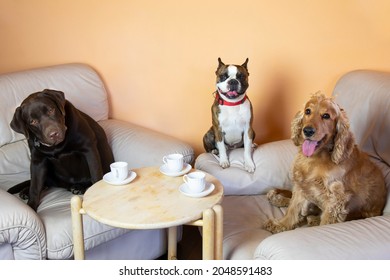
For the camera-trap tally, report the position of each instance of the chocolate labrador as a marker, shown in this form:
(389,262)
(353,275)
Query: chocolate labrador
(68,148)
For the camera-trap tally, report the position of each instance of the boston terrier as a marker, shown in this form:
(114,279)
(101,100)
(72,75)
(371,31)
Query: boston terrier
(231,115)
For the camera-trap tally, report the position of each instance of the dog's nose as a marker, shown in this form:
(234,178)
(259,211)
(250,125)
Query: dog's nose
(309,131)
(233,82)
(54,134)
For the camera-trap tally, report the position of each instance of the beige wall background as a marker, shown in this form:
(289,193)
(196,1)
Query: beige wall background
(158,58)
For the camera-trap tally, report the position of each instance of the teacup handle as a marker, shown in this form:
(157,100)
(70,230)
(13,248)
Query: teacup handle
(185,179)
(165,159)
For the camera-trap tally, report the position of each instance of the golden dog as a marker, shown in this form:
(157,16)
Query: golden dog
(332,178)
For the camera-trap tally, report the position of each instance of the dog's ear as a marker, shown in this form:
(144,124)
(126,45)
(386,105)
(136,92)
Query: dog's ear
(296,128)
(245,64)
(58,97)
(220,63)
(18,124)
(344,140)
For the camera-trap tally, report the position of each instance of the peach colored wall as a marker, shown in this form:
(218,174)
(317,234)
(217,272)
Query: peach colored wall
(158,57)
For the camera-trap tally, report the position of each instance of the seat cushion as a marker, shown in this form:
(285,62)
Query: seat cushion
(272,160)
(244,217)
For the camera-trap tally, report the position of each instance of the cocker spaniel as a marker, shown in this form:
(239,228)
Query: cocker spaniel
(333,181)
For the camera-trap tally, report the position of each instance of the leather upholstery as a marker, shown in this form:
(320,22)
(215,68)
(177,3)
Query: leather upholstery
(47,234)
(365,96)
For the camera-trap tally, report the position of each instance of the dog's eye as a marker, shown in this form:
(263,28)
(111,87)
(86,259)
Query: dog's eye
(33,122)
(224,77)
(326,116)
(307,112)
(50,111)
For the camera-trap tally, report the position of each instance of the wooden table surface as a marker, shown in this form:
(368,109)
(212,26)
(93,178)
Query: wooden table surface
(152,200)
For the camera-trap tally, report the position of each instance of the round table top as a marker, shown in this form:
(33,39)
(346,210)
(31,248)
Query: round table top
(152,200)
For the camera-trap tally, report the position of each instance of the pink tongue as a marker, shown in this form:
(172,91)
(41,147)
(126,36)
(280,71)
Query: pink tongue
(232,93)
(309,147)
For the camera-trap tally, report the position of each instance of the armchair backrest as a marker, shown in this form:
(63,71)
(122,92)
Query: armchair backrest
(80,83)
(365,96)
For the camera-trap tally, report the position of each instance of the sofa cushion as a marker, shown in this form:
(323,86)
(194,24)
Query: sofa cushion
(244,217)
(365,239)
(55,214)
(272,160)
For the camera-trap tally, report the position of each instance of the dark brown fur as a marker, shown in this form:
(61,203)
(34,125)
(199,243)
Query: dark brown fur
(68,148)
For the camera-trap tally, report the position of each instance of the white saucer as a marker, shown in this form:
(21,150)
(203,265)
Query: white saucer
(209,189)
(164,170)
(108,178)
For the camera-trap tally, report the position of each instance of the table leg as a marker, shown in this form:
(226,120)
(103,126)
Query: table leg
(77,227)
(172,243)
(218,248)
(208,234)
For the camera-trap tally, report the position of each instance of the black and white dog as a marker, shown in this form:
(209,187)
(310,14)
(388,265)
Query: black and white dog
(232,115)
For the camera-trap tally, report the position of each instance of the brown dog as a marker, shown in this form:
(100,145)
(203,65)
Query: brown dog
(331,176)
(68,148)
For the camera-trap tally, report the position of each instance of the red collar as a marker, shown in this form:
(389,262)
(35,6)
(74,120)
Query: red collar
(221,101)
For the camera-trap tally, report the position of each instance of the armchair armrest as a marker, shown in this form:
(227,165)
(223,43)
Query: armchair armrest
(21,228)
(140,146)
(356,240)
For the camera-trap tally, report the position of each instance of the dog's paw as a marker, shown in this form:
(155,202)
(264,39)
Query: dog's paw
(313,220)
(77,190)
(249,166)
(224,163)
(24,196)
(25,193)
(273,226)
(277,198)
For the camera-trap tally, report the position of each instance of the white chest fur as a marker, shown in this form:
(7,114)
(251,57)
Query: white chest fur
(234,121)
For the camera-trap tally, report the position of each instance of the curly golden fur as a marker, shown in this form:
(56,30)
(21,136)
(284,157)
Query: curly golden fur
(332,178)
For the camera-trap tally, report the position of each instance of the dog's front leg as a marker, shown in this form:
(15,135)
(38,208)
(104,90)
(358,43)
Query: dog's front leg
(223,158)
(248,142)
(293,216)
(335,210)
(94,164)
(220,144)
(38,171)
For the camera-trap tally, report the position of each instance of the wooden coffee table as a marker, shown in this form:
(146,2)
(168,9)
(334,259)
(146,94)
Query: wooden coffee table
(152,201)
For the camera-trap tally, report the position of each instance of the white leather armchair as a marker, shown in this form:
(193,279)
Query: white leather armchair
(365,96)
(47,233)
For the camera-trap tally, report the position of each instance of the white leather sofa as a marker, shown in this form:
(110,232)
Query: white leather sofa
(365,95)
(47,233)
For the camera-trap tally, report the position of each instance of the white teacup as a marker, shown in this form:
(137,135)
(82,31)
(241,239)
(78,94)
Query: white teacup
(119,170)
(174,162)
(196,181)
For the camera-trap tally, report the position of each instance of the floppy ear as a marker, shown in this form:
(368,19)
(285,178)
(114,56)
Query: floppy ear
(58,97)
(344,140)
(245,64)
(296,128)
(18,124)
